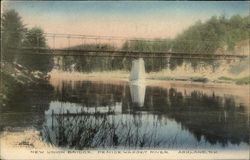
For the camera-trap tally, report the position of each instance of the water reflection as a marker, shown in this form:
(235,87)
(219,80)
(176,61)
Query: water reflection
(97,115)
(137,92)
(87,114)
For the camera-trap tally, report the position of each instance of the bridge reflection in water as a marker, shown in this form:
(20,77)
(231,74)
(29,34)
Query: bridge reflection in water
(99,115)
(138,94)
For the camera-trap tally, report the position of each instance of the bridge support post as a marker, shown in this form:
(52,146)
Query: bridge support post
(138,71)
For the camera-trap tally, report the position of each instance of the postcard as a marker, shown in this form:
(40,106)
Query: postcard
(138,80)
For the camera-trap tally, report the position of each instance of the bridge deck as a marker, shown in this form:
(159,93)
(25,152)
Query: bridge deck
(124,53)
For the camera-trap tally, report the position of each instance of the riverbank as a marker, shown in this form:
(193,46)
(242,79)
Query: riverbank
(164,75)
(14,75)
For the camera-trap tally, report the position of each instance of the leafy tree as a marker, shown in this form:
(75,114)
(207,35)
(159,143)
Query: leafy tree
(12,32)
(35,38)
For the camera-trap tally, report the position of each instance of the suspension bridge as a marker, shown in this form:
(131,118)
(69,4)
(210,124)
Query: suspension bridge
(110,46)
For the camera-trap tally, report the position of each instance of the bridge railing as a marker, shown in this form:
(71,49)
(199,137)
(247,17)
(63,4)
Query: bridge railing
(110,43)
(125,45)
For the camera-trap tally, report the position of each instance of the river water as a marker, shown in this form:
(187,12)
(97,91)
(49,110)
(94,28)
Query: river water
(106,114)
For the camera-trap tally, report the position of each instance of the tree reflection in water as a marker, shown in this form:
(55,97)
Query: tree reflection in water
(167,119)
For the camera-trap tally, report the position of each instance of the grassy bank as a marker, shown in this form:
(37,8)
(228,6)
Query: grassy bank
(240,81)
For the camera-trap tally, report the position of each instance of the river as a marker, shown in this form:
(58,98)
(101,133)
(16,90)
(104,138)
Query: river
(97,113)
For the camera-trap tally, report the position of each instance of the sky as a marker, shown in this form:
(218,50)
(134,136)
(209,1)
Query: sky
(141,19)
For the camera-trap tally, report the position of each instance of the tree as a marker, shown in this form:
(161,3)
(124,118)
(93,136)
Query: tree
(12,32)
(34,38)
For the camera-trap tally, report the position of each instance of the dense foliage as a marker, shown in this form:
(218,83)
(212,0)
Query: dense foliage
(218,34)
(16,35)
(103,46)
(12,32)
(34,38)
